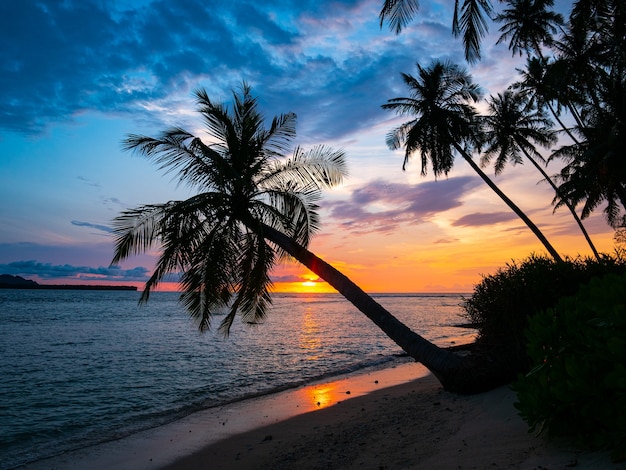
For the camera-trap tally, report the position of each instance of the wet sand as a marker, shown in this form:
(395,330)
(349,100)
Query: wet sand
(396,418)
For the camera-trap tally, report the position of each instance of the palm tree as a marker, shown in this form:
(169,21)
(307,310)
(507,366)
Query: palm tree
(592,55)
(445,123)
(595,172)
(512,128)
(253,206)
(529,24)
(537,83)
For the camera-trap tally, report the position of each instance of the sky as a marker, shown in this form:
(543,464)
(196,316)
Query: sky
(78,76)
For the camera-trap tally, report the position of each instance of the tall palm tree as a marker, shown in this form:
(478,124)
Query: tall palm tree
(253,206)
(542,88)
(529,24)
(595,172)
(512,128)
(445,123)
(592,55)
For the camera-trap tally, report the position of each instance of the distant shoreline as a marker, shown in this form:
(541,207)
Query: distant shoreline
(67,287)
(16,282)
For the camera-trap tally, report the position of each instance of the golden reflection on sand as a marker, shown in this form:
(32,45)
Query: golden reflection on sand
(322,396)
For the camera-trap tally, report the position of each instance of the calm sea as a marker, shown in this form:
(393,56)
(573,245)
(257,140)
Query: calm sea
(83,367)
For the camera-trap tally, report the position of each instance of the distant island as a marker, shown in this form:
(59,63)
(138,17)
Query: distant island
(8,281)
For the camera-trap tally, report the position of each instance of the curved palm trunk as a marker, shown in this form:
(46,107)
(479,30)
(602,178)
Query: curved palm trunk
(563,126)
(552,110)
(567,203)
(444,364)
(510,203)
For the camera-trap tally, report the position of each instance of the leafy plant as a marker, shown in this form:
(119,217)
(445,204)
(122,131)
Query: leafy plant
(502,304)
(577,387)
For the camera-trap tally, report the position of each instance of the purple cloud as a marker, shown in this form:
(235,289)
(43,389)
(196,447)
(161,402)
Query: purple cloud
(65,271)
(381,207)
(478,219)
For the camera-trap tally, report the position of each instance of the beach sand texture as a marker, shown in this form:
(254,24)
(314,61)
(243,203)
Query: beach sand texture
(383,419)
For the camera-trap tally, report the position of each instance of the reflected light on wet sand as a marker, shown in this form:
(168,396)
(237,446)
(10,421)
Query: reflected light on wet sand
(322,396)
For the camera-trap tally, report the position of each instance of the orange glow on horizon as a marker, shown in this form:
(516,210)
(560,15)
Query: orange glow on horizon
(306,287)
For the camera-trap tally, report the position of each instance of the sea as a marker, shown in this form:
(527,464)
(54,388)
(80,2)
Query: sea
(80,368)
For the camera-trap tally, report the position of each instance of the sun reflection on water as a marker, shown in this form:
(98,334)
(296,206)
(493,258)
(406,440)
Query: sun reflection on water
(310,341)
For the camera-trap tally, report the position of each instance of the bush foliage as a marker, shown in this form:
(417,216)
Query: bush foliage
(578,385)
(502,303)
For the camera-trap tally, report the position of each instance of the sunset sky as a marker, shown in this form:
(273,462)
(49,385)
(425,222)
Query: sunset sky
(78,76)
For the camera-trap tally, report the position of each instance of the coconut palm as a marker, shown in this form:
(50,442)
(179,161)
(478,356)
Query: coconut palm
(595,172)
(528,24)
(513,128)
(592,55)
(540,86)
(445,123)
(253,206)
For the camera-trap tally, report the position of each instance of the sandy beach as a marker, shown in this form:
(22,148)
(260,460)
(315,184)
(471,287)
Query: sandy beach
(396,418)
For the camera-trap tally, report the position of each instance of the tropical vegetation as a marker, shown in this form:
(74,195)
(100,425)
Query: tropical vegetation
(576,70)
(503,303)
(577,385)
(256,193)
(445,123)
(575,74)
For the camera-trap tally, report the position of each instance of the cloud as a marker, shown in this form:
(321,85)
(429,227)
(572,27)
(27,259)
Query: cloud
(327,61)
(66,271)
(102,228)
(478,219)
(381,206)
(288,278)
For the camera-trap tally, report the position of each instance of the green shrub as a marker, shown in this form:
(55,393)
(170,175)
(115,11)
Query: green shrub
(578,385)
(502,303)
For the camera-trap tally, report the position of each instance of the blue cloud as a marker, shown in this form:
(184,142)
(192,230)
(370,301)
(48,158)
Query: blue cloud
(323,60)
(67,271)
(102,228)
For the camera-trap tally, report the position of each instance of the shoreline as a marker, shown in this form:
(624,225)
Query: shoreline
(162,445)
(394,418)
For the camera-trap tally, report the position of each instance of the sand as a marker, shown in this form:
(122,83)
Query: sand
(397,418)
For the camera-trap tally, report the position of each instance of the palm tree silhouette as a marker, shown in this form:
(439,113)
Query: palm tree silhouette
(253,207)
(510,125)
(445,123)
(529,24)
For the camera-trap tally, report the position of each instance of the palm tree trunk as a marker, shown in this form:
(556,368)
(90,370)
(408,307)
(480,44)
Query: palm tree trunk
(442,363)
(567,203)
(510,203)
(552,110)
(563,126)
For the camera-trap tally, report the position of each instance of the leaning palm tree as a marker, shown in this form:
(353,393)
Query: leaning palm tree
(512,128)
(445,123)
(253,206)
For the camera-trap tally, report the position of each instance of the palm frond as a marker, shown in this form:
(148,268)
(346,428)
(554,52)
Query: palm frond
(472,24)
(398,13)
(137,230)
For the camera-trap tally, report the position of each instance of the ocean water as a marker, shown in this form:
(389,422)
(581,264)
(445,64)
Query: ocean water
(82,367)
